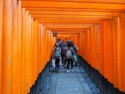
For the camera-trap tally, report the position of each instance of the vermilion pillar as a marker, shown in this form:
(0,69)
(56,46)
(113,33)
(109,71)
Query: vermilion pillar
(104,32)
(22,51)
(41,42)
(6,47)
(19,29)
(115,34)
(41,56)
(101,48)
(29,81)
(49,35)
(29,53)
(48,45)
(35,50)
(32,59)
(121,64)
(42,29)
(26,61)
(39,50)
(1,24)
(14,63)
(77,41)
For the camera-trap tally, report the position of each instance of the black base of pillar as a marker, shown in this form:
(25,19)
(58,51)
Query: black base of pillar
(102,83)
(36,88)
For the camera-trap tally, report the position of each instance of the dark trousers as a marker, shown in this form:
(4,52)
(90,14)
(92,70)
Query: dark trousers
(69,62)
(63,59)
(57,64)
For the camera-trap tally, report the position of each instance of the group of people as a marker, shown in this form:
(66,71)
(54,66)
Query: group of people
(66,53)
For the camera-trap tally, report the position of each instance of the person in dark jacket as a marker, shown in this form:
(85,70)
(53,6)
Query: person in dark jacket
(56,55)
(69,56)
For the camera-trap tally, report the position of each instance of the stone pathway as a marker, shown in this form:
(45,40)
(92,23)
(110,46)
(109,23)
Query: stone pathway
(68,83)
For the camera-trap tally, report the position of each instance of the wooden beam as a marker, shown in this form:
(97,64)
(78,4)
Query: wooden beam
(69,20)
(72,5)
(72,31)
(69,26)
(68,29)
(87,1)
(80,21)
(74,13)
(69,9)
(61,17)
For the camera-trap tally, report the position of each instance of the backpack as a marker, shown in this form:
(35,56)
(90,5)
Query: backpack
(57,53)
(63,45)
(69,54)
(63,51)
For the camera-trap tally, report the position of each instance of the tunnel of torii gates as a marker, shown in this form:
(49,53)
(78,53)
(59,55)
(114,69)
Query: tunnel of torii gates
(97,27)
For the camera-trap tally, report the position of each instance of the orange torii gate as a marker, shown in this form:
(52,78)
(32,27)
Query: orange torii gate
(26,26)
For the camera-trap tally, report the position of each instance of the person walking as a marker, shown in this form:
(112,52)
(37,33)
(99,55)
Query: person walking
(63,52)
(69,57)
(57,54)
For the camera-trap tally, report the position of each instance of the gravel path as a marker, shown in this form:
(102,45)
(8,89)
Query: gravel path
(49,83)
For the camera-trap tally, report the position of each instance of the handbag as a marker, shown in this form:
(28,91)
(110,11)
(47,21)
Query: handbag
(53,63)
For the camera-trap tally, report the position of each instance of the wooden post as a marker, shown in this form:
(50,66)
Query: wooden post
(38,54)
(105,48)
(6,47)
(41,43)
(22,52)
(32,51)
(115,33)
(19,29)
(1,29)
(42,46)
(26,54)
(29,53)
(14,63)
(35,38)
(121,63)
(109,65)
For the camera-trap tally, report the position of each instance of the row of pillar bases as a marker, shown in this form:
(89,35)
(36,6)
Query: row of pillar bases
(102,83)
(36,87)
